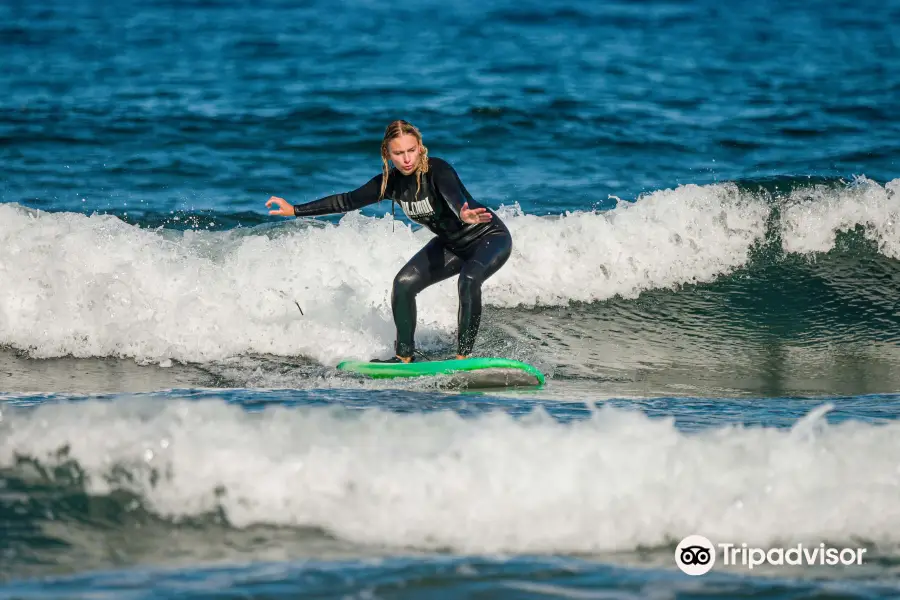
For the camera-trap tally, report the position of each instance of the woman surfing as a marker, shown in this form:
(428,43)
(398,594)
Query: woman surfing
(471,241)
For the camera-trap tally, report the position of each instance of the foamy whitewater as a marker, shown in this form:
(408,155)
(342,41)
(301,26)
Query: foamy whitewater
(94,286)
(615,481)
(813,216)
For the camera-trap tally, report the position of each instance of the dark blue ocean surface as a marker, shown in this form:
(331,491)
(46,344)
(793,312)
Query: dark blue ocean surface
(210,106)
(704,201)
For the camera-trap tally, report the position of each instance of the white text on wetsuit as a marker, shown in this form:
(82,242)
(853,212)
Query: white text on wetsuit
(420,208)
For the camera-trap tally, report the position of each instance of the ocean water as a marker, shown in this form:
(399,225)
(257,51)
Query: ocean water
(704,201)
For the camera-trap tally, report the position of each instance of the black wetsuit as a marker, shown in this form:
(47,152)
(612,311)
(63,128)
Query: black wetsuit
(474,251)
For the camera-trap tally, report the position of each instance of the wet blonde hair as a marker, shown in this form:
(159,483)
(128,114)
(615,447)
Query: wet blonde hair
(393,131)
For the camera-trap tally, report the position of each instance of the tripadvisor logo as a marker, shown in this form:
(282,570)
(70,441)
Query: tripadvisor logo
(695,555)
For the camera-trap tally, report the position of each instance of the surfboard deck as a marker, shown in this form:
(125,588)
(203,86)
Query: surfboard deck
(471,372)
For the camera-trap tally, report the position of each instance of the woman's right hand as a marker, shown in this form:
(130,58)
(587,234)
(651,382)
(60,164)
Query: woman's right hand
(285,209)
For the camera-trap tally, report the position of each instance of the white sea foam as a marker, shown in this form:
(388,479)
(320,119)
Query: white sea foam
(815,215)
(490,483)
(95,286)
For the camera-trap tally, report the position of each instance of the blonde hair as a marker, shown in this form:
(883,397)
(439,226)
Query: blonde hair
(393,131)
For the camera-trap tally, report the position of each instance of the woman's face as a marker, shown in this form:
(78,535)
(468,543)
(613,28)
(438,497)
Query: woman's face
(404,153)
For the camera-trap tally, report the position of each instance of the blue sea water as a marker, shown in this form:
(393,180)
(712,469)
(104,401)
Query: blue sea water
(704,201)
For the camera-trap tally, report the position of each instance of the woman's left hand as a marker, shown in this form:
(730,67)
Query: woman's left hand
(474,215)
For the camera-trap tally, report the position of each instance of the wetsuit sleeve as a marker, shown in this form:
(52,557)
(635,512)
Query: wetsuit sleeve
(344,202)
(448,184)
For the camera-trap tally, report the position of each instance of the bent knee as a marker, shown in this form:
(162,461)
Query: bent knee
(408,281)
(471,279)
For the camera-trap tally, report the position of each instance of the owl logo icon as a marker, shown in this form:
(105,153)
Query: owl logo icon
(695,555)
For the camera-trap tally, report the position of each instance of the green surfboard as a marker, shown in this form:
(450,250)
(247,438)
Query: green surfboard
(471,372)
